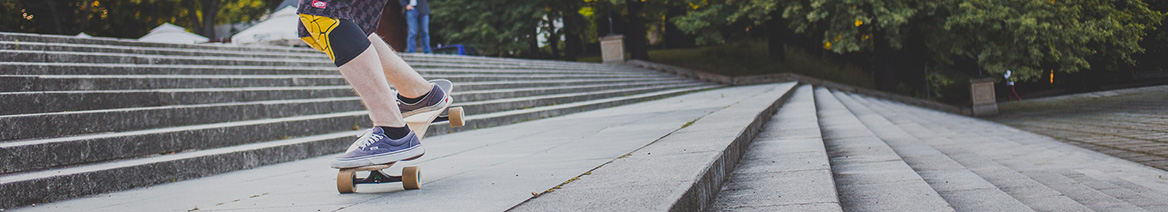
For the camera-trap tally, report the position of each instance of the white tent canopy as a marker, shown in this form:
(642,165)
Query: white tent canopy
(170,33)
(279,29)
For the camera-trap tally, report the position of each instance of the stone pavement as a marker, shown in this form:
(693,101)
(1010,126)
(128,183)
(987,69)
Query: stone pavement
(490,169)
(173,112)
(1131,124)
(775,147)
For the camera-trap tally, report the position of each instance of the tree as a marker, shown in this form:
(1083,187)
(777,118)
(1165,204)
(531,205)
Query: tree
(1029,37)
(1155,43)
(635,39)
(1026,36)
(506,27)
(125,19)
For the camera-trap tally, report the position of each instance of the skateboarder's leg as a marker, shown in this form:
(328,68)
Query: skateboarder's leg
(412,88)
(399,74)
(362,73)
(344,42)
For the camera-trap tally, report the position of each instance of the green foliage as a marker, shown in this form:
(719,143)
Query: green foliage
(1026,36)
(1029,37)
(708,16)
(851,26)
(493,27)
(236,11)
(117,18)
(938,83)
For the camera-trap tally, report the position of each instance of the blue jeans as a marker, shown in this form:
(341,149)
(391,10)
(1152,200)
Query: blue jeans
(414,20)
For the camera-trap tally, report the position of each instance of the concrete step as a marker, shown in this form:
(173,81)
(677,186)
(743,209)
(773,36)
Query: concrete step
(25,83)
(282,55)
(225,147)
(464,166)
(121,58)
(125,58)
(55,124)
(539,112)
(487,106)
(1146,201)
(31,154)
(58,101)
(507,93)
(962,188)
(786,168)
(870,176)
(60,124)
(41,38)
(106,43)
(517,84)
(1034,162)
(170,51)
(64,183)
(64,68)
(40,154)
(682,171)
(1021,187)
(1050,162)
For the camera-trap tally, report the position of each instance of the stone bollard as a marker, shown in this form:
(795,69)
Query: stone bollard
(612,49)
(984,101)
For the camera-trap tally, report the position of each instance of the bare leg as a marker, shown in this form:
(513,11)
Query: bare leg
(361,72)
(403,77)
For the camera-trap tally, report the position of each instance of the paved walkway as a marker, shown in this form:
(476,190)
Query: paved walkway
(489,169)
(1131,124)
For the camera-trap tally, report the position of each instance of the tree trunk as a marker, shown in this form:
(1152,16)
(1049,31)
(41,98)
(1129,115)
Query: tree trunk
(192,13)
(885,76)
(210,9)
(554,40)
(86,8)
(393,28)
(56,18)
(777,37)
(674,37)
(533,43)
(572,43)
(635,39)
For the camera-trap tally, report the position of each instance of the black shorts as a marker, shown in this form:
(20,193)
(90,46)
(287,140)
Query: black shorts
(365,13)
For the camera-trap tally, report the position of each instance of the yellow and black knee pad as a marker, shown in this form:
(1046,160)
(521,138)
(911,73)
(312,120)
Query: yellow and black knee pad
(341,39)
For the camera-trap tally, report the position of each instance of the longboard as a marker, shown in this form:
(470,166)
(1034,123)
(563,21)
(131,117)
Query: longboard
(347,179)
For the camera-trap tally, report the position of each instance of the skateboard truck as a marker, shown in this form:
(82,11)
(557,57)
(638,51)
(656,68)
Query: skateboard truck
(347,180)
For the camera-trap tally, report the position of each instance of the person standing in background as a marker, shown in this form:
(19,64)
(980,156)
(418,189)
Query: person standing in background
(418,19)
(1010,83)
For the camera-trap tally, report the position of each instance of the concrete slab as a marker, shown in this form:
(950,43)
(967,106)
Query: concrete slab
(685,169)
(489,169)
(786,170)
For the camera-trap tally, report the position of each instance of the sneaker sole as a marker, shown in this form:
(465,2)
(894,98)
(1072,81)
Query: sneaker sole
(408,154)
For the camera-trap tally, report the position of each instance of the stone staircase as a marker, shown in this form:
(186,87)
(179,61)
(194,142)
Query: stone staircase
(830,150)
(887,156)
(86,116)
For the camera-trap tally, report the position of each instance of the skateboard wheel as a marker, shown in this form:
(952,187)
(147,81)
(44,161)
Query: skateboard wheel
(410,178)
(455,114)
(345,180)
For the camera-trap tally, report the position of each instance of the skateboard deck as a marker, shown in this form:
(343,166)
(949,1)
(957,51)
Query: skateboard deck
(347,179)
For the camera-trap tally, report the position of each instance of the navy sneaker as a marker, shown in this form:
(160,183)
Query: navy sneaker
(375,148)
(435,100)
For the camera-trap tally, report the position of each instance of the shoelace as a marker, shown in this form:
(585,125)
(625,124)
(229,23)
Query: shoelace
(370,140)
